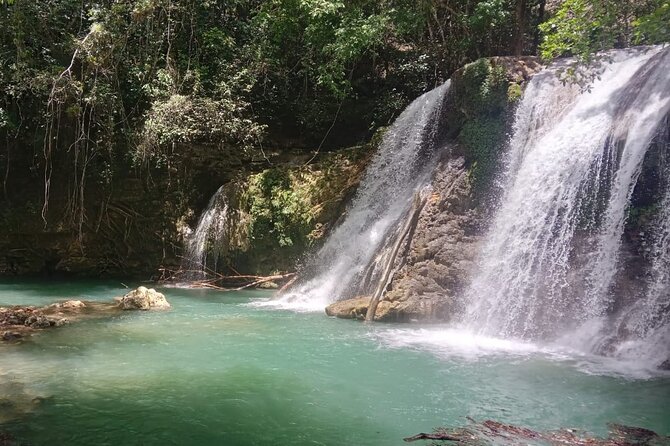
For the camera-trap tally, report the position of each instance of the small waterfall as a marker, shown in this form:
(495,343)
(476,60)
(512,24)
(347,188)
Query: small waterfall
(209,238)
(552,250)
(400,167)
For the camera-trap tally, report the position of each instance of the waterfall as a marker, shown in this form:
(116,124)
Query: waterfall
(401,165)
(644,326)
(208,239)
(552,251)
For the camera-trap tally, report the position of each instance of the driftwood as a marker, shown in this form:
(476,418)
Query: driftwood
(217,281)
(424,436)
(417,205)
(495,433)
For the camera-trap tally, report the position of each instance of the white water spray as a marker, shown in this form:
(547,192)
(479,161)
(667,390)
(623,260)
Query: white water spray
(573,166)
(400,167)
(209,238)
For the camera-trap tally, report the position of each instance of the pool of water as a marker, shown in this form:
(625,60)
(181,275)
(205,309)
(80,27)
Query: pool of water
(216,370)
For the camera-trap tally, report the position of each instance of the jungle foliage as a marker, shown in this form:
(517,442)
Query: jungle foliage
(581,28)
(91,90)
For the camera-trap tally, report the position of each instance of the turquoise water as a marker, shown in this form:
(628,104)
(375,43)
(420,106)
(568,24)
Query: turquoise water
(217,371)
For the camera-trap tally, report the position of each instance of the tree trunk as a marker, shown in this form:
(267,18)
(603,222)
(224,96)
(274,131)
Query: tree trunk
(520,31)
(410,224)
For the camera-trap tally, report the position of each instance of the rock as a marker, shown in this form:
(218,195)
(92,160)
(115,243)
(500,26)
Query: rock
(72,304)
(143,299)
(355,308)
(38,321)
(59,322)
(440,254)
(11,336)
(416,308)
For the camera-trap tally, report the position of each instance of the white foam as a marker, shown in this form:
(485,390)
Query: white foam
(448,343)
(453,342)
(298,305)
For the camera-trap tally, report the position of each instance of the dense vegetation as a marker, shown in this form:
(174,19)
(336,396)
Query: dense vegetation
(91,91)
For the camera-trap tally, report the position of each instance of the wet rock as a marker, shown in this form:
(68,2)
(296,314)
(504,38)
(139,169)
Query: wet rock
(39,321)
(143,299)
(440,256)
(355,308)
(9,336)
(69,305)
(19,322)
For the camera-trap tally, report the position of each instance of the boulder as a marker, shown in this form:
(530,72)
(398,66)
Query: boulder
(355,308)
(72,305)
(143,299)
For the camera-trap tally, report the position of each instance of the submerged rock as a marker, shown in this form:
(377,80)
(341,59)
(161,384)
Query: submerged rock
(355,308)
(143,298)
(9,336)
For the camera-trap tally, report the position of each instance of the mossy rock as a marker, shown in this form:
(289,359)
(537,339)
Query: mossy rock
(481,104)
(284,211)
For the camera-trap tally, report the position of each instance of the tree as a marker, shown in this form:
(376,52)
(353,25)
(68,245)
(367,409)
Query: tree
(582,28)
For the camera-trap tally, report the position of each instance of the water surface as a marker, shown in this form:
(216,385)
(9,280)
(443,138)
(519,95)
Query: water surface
(215,370)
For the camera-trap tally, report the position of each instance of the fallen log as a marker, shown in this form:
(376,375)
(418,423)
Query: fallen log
(418,204)
(221,282)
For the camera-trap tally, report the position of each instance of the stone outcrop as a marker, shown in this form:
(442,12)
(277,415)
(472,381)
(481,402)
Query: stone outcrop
(143,298)
(30,317)
(20,321)
(441,254)
(434,267)
(138,225)
(355,308)
(17,322)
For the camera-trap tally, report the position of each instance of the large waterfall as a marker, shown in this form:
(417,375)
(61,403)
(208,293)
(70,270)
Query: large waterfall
(401,165)
(552,253)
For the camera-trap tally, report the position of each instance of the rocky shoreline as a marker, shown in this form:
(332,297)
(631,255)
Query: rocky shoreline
(18,322)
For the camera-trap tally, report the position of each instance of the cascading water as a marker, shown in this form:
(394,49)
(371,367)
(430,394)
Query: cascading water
(552,251)
(644,326)
(208,238)
(398,169)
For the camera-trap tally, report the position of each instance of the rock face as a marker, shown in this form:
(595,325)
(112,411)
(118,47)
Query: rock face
(143,298)
(436,262)
(440,255)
